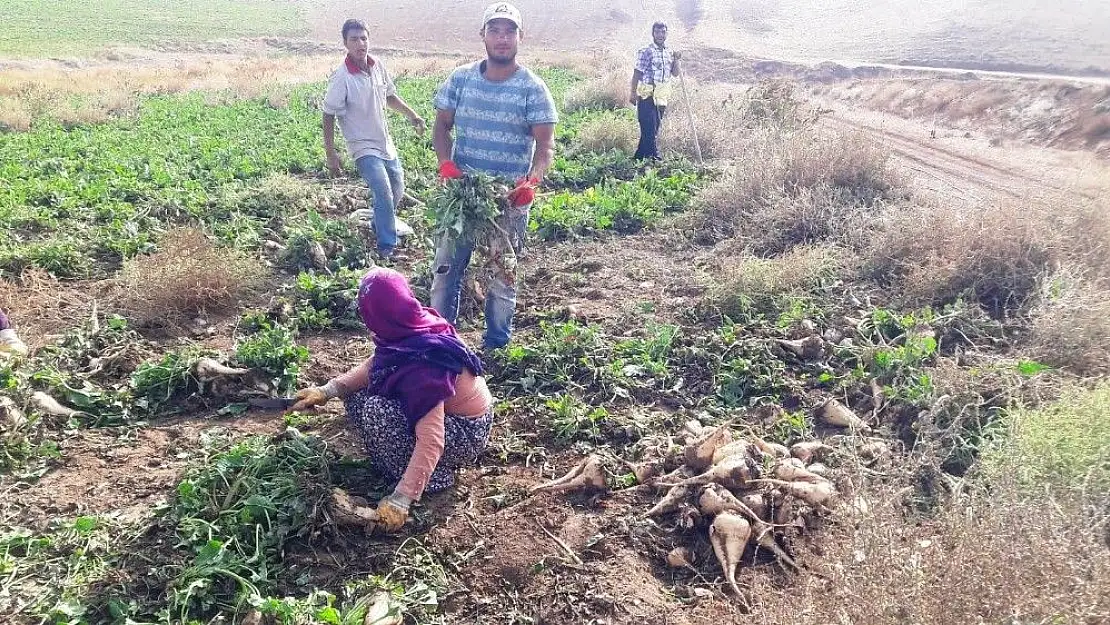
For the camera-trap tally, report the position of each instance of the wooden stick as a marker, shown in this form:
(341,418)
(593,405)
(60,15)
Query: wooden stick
(562,544)
(690,115)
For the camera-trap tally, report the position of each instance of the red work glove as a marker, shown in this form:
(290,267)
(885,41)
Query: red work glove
(524,193)
(448,170)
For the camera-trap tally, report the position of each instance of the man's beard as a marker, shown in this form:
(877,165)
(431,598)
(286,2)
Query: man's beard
(497,59)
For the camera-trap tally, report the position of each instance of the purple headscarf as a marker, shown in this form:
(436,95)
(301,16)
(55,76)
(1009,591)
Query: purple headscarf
(5,324)
(418,356)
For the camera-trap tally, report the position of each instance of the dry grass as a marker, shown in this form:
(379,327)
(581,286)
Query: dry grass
(41,305)
(605,93)
(999,255)
(726,116)
(798,189)
(187,276)
(766,285)
(1084,225)
(1071,324)
(608,133)
(99,91)
(936,254)
(719,119)
(1000,558)
(1042,112)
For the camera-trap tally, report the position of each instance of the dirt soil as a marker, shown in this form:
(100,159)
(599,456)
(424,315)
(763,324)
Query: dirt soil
(965,167)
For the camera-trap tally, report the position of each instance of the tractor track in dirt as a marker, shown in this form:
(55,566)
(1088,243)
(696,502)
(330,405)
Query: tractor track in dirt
(960,175)
(953,173)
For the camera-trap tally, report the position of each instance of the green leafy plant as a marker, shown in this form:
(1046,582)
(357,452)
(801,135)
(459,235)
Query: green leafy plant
(573,420)
(466,209)
(325,301)
(156,383)
(623,207)
(235,512)
(274,351)
(313,234)
(749,372)
(793,426)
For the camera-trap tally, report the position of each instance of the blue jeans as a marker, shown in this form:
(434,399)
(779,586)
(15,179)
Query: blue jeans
(386,180)
(452,259)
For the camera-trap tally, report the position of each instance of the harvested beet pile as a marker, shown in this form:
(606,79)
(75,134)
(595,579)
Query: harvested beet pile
(746,494)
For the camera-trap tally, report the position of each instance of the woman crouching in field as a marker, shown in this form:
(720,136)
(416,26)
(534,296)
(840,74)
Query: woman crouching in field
(420,404)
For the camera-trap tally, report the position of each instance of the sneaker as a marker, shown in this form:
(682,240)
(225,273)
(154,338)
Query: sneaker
(11,344)
(403,229)
(365,216)
(393,256)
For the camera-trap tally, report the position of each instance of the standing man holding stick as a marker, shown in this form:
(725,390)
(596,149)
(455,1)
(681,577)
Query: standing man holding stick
(497,117)
(656,64)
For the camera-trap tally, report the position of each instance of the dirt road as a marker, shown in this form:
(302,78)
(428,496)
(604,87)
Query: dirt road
(956,165)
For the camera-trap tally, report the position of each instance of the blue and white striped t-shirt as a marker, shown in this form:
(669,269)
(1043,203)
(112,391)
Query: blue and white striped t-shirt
(493,120)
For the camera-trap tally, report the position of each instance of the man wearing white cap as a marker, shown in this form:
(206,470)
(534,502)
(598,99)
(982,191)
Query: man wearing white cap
(496,117)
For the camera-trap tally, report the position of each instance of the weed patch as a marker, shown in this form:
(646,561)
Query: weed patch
(187,276)
(805,190)
(1064,444)
(752,286)
(599,94)
(607,132)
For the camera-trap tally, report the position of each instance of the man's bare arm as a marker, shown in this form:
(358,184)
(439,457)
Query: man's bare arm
(442,140)
(397,104)
(544,135)
(335,164)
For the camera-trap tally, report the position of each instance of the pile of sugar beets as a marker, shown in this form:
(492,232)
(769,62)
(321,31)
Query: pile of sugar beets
(747,490)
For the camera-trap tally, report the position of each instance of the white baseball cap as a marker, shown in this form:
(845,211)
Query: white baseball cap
(502,10)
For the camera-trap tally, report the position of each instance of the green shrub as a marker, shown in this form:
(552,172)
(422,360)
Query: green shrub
(1065,443)
(273,351)
(157,382)
(624,207)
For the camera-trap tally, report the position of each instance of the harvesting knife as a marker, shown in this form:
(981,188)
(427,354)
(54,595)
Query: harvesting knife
(271,403)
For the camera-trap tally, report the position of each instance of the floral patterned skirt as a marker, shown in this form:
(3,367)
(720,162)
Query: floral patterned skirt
(385,432)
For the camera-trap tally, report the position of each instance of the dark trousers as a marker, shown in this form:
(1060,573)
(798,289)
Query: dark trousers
(651,120)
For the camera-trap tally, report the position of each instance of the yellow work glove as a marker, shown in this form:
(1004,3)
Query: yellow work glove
(309,397)
(10,343)
(393,512)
